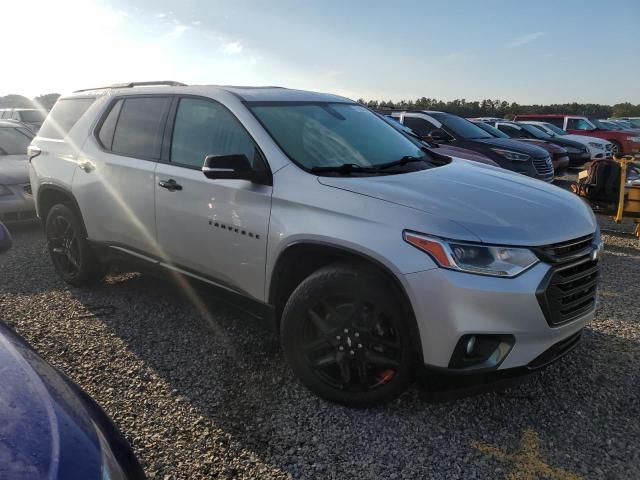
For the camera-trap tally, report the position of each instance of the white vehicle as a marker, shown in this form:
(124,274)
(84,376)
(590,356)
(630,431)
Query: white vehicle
(634,121)
(598,147)
(370,254)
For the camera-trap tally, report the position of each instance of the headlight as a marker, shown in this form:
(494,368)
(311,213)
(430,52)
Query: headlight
(475,258)
(596,145)
(509,155)
(633,139)
(4,191)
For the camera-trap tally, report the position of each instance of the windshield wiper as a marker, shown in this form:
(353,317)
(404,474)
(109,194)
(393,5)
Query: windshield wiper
(344,169)
(403,161)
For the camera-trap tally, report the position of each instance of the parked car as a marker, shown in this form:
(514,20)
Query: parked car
(622,142)
(371,256)
(16,201)
(598,148)
(634,121)
(577,152)
(442,149)
(445,128)
(50,427)
(625,124)
(32,117)
(559,155)
(604,124)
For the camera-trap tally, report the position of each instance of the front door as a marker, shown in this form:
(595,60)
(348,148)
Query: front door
(216,229)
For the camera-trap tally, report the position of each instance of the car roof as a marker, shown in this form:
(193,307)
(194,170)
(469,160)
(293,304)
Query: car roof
(245,93)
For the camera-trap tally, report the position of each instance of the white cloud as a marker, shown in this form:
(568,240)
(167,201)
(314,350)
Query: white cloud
(232,48)
(524,39)
(160,15)
(196,22)
(177,31)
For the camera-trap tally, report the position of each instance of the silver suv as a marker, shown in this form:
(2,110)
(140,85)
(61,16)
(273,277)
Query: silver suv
(369,253)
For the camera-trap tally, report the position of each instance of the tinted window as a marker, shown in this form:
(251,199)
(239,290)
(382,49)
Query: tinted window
(32,116)
(205,128)
(513,132)
(491,130)
(460,127)
(13,142)
(140,126)
(64,115)
(332,134)
(109,126)
(578,124)
(419,125)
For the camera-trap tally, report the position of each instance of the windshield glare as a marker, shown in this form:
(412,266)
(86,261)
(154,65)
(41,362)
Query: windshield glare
(333,134)
(555,129)
(461,127)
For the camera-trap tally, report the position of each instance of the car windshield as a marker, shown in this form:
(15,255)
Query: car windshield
(32,116)
(318,134)
(603,125)
(460,127)
(555,129)
(536,132)
(13,141)
(635,122)
(491,130)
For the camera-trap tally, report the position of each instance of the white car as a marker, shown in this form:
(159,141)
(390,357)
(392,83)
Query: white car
(598,147)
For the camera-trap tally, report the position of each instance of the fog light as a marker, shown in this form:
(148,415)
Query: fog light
(471,343)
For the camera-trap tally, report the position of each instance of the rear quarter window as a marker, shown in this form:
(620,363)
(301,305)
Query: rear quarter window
(64,115)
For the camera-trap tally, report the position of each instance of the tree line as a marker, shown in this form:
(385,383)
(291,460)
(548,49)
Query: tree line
(18,101)
(504,109)
(462,107)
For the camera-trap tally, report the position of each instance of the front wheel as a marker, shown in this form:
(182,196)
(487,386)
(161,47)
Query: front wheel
(616,148)
(346,337)
(71,254)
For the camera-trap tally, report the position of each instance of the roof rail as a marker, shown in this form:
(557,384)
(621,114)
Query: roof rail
(169,83)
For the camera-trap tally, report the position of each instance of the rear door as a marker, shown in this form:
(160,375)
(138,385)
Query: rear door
(114,183)
(216,229)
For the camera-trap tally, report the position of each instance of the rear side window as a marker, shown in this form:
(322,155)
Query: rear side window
(139,127)
(13,141)
(419,125)
(109,126)
(512,131)
(205,128)
(64,116)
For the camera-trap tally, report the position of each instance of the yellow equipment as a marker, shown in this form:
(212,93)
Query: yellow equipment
(628,204)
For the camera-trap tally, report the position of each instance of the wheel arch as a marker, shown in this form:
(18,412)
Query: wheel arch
(298,260)
(50,195)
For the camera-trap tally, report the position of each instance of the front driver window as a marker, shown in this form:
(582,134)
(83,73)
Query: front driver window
(206,128)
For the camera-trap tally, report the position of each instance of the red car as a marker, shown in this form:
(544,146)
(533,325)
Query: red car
(623,141)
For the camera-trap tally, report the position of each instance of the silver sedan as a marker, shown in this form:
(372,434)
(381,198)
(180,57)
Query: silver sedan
(16,201)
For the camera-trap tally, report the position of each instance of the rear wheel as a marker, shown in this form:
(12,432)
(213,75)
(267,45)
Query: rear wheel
(70,252)
(345,336)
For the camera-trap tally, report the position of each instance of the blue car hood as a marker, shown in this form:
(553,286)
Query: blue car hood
(45,429)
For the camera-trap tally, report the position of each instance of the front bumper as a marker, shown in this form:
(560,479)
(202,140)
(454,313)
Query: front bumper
(450,304)
(18,206)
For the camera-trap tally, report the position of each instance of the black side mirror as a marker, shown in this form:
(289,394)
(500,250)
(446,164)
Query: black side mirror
(439,135)
(231,167)
(5,239)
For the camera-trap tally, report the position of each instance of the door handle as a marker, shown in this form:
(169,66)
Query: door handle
(170,185)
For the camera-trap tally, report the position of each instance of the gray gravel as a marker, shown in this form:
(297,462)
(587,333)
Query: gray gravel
(211,397)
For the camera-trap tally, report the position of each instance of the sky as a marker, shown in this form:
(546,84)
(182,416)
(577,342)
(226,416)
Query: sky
(528,52)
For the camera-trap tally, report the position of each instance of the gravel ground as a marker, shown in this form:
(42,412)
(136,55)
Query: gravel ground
(209,395)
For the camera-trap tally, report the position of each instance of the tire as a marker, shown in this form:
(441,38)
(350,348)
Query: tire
(346,337)
(72,256)
(616,148)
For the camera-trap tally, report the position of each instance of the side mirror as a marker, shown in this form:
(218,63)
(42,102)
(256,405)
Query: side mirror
(231,167)
(439,135)
(5,239)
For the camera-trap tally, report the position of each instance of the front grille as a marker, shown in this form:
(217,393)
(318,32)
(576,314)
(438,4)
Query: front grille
(565,251)
(543,166)
(569,291)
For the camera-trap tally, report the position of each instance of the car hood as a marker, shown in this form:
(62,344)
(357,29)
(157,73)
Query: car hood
(549,147)
(14,169)
(510,144)
(465,154)
(497,206)
(42,429)
(581,139)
